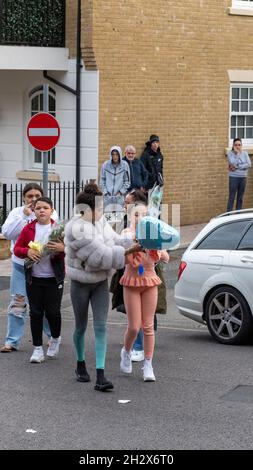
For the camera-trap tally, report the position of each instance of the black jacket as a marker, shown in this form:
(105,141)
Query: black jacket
(153,162)
(138,174)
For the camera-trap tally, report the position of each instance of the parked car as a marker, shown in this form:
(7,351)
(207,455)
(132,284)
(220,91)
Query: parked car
(215,278)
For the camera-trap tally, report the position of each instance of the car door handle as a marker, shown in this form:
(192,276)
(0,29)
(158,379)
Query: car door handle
(246,259)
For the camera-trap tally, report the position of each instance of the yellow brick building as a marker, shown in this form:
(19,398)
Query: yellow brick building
(168,67)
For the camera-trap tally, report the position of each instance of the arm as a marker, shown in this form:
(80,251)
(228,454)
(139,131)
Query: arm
(245,165)
(13,225)
(144,175)
(231,161)
(164,256)
(21,246)
(103,180)
(126,179)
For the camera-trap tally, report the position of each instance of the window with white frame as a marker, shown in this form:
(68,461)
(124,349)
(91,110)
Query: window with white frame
(36,106)
(242,4)
(241,113)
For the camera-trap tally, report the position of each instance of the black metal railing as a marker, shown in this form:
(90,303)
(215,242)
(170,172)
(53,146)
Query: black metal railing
(63,195)
(32,22)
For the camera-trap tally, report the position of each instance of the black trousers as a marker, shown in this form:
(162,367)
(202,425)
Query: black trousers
(44,299)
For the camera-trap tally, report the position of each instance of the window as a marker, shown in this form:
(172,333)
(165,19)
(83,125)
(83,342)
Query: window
(225,237)
(242,4)
(241,113)
(36,106)
(247,241)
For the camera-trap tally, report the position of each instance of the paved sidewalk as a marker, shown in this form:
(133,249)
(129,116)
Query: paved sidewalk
(187,234)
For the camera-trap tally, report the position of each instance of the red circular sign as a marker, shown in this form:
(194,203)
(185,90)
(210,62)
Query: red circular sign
(43,131)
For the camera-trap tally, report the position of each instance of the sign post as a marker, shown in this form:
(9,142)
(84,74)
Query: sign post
(45,154)
(43,133)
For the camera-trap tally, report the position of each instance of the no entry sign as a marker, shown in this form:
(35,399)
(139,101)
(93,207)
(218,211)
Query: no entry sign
(43,132)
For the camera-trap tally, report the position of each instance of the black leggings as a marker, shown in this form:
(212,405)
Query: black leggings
(44,299)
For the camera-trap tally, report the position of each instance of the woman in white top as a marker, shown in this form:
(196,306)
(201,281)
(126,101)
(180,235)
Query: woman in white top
(17,219)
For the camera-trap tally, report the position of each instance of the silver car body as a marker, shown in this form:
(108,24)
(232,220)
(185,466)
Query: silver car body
(208,269)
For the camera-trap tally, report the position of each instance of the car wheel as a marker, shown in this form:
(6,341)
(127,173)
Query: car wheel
(228,316)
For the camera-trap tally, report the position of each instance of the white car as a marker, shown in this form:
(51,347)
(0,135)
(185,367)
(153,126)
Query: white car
(215,279)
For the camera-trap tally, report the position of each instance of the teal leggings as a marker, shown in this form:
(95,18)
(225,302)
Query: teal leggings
(98,295)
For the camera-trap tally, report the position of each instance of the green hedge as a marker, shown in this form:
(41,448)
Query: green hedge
(32,22)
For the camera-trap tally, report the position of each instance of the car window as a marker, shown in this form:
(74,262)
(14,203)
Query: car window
(247,241)
(225,237)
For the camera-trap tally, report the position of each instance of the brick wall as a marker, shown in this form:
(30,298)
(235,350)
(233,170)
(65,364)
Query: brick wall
(163,69)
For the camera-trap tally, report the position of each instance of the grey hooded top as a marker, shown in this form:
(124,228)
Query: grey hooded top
(115,178)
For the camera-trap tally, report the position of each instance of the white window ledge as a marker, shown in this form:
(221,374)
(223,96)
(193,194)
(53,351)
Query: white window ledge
(248,149)
(30,175)
(33,58)
(240,11)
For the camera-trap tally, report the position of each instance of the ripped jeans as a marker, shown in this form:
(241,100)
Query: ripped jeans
(17,310)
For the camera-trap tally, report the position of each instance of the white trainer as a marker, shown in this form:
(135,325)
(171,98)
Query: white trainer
(53,347)
(137,356)
(49,340)
(148,373)
(125,363)
(37,355)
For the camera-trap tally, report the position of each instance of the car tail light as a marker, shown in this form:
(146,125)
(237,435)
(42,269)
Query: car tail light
(181,269)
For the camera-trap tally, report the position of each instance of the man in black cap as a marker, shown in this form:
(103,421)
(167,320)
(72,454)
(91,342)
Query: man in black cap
(152,159)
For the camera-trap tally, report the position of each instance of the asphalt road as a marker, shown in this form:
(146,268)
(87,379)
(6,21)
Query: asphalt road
(202,399)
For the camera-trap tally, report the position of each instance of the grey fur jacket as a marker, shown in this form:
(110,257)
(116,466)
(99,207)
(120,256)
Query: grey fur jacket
(93,251)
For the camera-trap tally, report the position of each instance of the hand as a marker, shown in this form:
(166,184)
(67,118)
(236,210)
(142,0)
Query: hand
(57,247)
(135,248)
(231,167)
(33,255)
(28,210)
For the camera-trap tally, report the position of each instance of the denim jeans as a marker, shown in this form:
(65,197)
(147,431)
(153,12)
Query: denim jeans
(237,185)
(16,323)
(138,344)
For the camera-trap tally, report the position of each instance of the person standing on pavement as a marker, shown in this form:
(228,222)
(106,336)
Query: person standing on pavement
(44,279)
(92,249)
(138,172)
(238,165)
(152,159)
(17,219)
(114,179)
(140,292)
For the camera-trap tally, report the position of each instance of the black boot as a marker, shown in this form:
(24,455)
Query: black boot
(81,372)
(102,384)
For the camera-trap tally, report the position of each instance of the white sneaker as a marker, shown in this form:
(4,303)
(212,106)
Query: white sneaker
(148,373)
(125,363)
(137,356)
(49,340)
(37,355)
(53,347)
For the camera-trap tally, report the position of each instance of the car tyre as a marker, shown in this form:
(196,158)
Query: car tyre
(228,316)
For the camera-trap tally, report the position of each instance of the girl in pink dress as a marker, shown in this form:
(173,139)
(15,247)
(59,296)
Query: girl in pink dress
(140,291)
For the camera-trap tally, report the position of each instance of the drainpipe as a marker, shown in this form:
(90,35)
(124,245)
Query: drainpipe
(76,92)
(78,95)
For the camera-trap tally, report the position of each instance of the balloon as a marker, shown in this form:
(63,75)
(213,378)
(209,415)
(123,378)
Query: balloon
(155,234)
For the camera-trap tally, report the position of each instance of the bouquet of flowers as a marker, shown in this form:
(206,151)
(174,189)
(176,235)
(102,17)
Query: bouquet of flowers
(153,233)
(56,235)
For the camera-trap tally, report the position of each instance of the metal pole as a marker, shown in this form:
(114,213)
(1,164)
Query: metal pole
(45,154)
(78,94)
(4,202)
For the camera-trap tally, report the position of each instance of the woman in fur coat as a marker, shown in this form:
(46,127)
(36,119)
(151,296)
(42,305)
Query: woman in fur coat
(93,249)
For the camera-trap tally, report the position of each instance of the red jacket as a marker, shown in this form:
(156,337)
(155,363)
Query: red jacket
(27,235)
(21,249)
